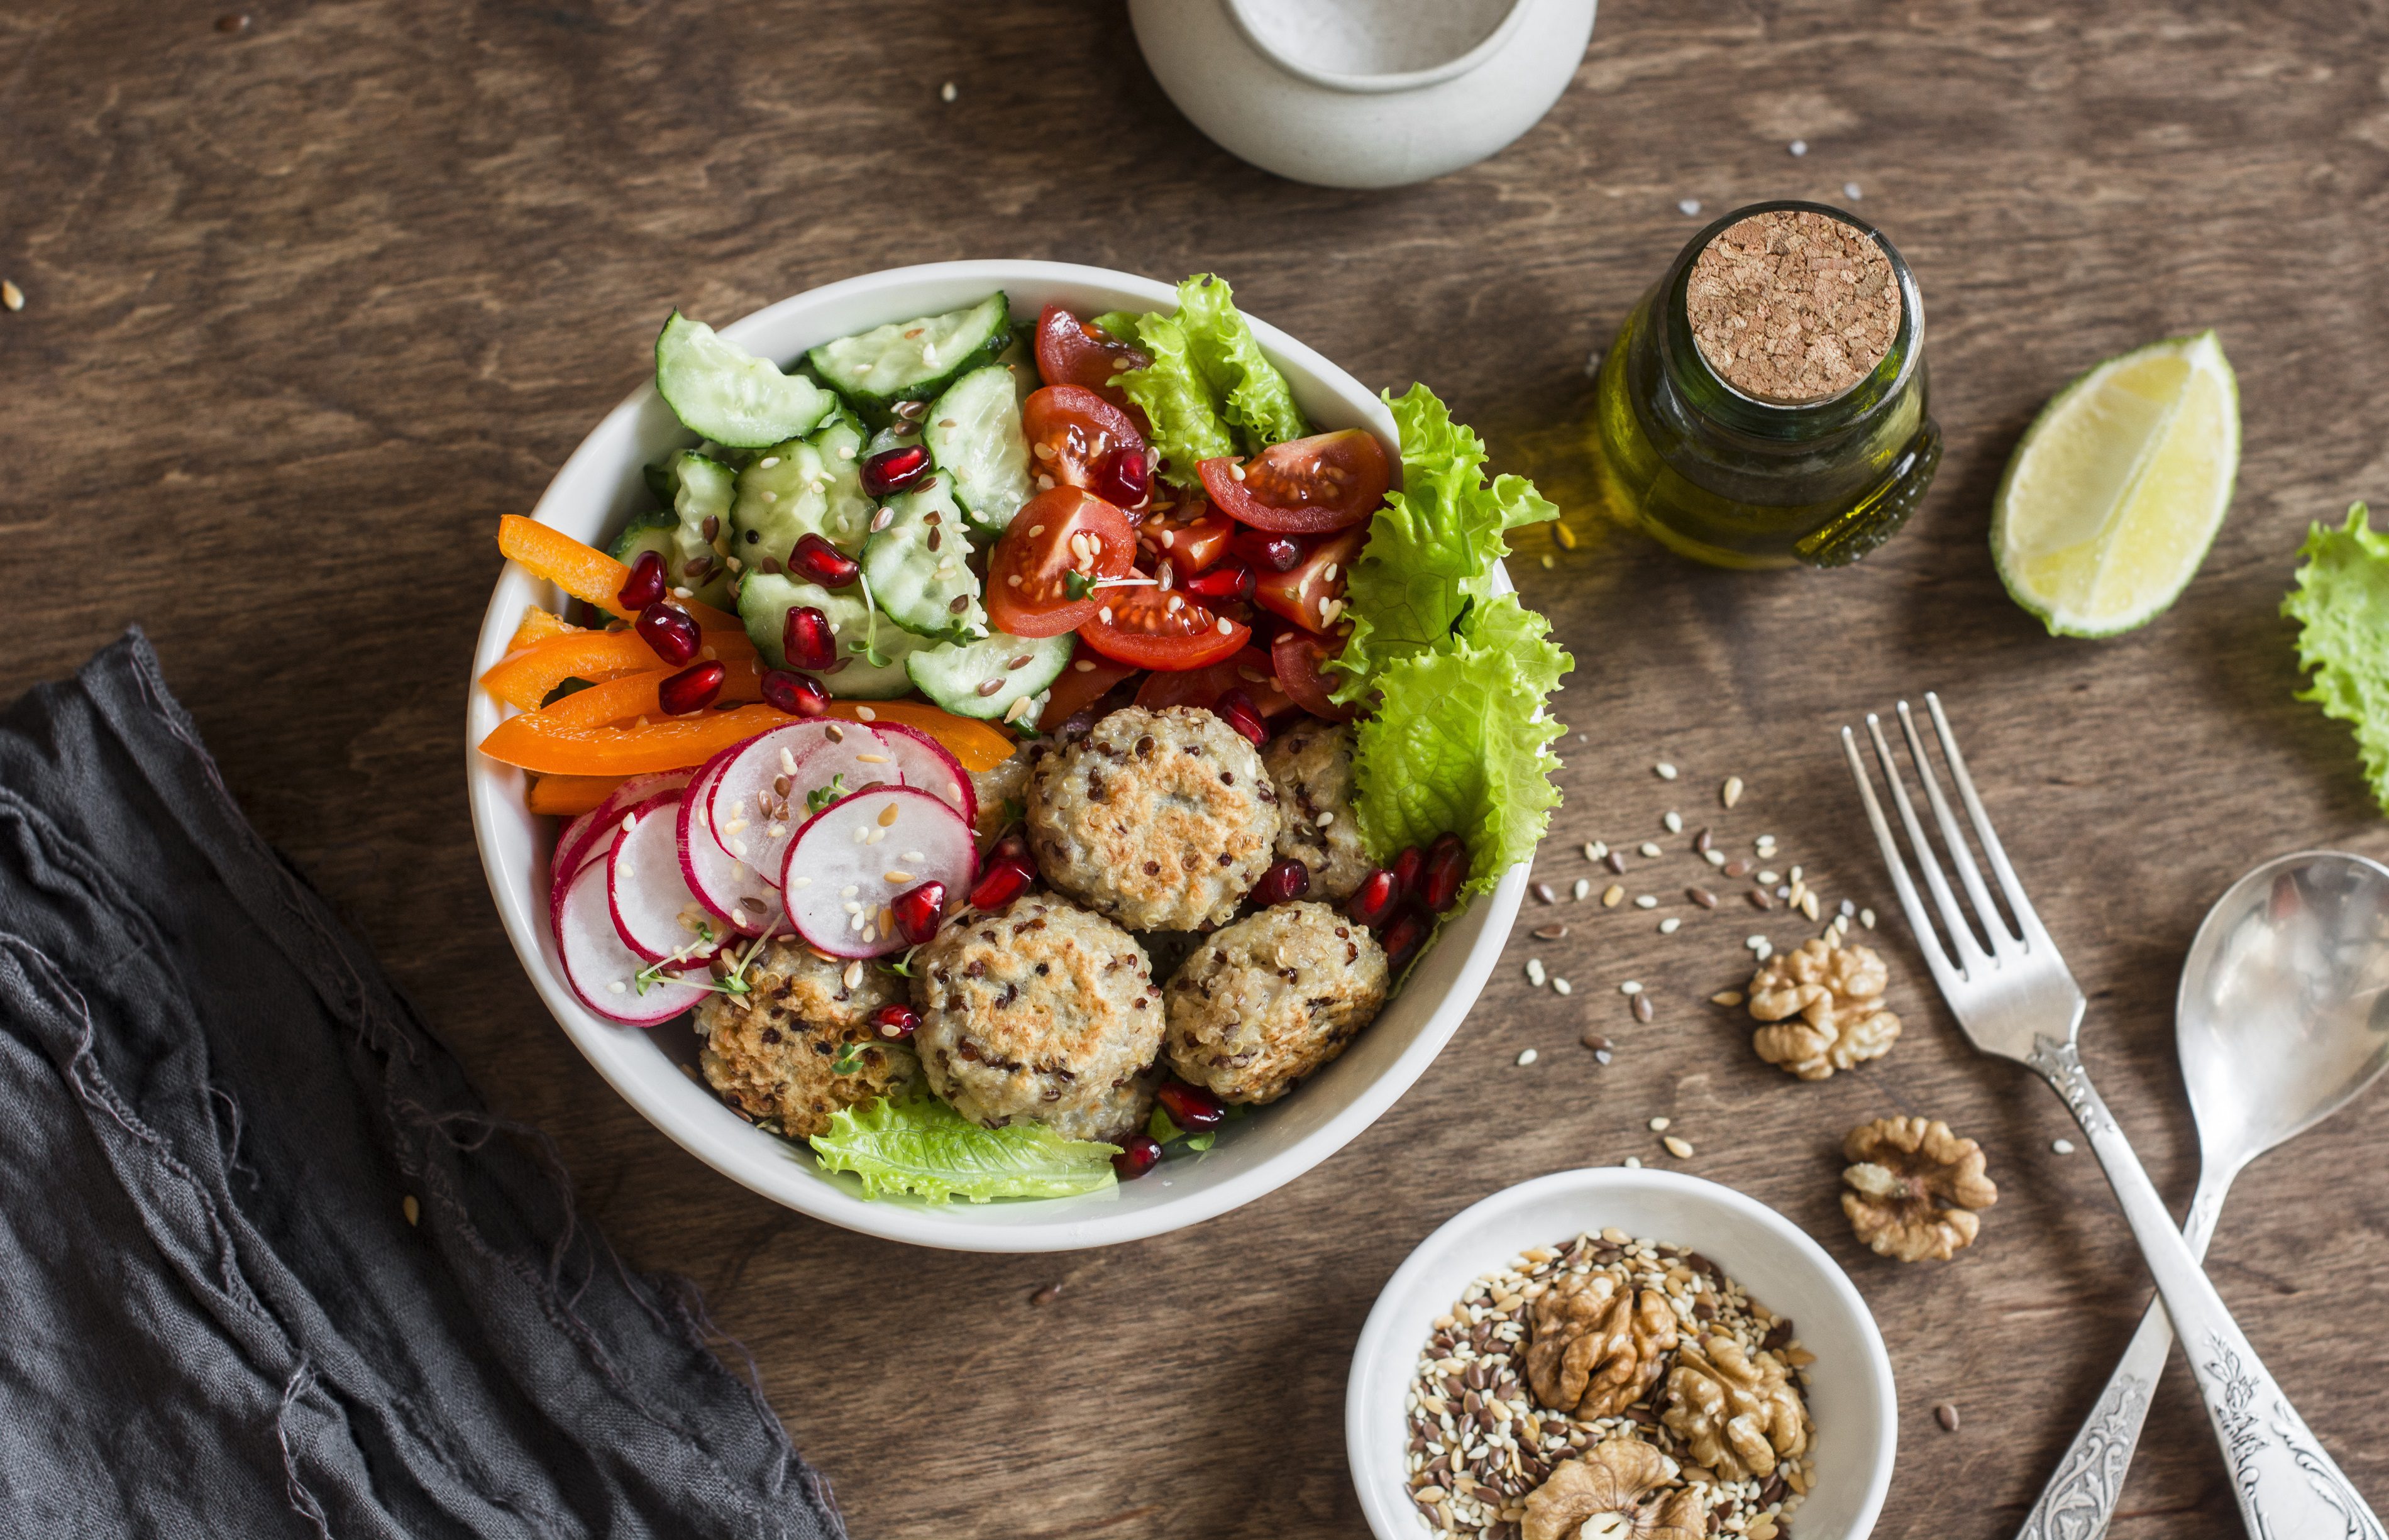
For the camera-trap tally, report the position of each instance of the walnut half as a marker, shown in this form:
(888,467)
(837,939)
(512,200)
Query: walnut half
(1914,1188)
(1614,1492)
(1597,1348)
(1826,1006)
(1737,1415)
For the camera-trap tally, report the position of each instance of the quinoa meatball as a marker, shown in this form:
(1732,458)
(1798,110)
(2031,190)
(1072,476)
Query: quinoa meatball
(1002,789)
(1311,765)
(777,1058)
(1042,1014)
(1159,819)
(1270,999)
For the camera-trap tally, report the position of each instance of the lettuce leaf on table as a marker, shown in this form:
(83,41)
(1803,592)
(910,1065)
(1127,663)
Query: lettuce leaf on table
(2341,605)
(922,1147)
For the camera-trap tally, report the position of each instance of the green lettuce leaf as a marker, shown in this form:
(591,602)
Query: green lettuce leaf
(1185,421)
(924,1148)
(1431,549)
(1245,387)
(2342,606)
(1459,741)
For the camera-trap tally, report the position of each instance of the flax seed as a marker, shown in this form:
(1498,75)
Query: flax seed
(1702,897)
(1642,1009)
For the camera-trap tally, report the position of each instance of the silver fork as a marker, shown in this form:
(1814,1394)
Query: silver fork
(2015,998)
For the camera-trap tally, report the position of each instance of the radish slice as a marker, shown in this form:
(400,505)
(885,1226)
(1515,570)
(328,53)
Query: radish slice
(923,762)
(736,892)
(848,863)
(603,972)
(658,916)
(760,798)
(586,838)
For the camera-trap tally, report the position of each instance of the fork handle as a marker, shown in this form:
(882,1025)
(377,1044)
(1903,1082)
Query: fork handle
(2287,1488)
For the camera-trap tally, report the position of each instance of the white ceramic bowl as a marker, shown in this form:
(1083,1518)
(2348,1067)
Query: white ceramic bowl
(1851,1393)
(597,489)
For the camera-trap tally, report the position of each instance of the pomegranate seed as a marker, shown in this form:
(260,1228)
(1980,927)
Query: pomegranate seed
(817,560)
(1267,552)
(1372,902)
(895,1023)
(1286,880)
(1139,1153)
(691,690)
(1447,868)
(893,470)
(1230,579)
(1237,708)
(1010,845)
(1122,479)
(1402,938)
(1406,869)
(669,630)
(645,583)
(798,695)
(920,910)
(1002,881)
(806,638)
(1191,1107)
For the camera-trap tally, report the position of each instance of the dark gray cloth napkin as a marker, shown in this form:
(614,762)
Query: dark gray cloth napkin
(216,1316)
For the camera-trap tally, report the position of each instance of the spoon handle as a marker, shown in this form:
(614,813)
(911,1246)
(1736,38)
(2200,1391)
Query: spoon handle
(2287,1488)
(2081,1496)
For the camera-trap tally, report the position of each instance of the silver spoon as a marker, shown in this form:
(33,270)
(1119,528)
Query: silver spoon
(2281,1023)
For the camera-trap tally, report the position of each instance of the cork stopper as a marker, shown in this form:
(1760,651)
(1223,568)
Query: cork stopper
(1792,306)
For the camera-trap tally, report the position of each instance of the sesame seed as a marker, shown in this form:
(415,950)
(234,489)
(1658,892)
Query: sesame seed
(407,1206)
(1799,147)
(1647,848)
(947,92)
(1535,974)
(1714,857)
(2062,1146)
(1562,986)
(1611,894)
(1583,889)
(1688,206)
(1594,850)
(863,714)
(1631,986)
(1726,996)
(1645,900)
(1668,926)
(1730,793)
(1663,770)
(1681,1149)
(1528,1057)
(1753,942)
(1850,191)
(1632,1163)
(1227,627)
(1658,1125)
(1866,918)
(1673,822)
(1768,879)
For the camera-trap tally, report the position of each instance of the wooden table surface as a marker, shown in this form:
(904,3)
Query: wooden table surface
(310,304)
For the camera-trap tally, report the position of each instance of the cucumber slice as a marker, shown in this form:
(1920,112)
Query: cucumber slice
(701,488)
(990,678)
(974,435)
(912,361)
(839,444)
(791,491)
(764,600)
(918,564)
(720,389)
(663,533)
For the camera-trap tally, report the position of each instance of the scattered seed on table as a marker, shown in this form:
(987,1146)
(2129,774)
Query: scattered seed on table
(1753,942)
(1046,1295)
(1611,894)
(1663,770)
(1795,874)
(1645,900)
(409,1207)
(1527,1057)
(1736,868)
(1668,926)
(1562,986)
(1535,974)
(1647,850)
(1544,892)
(1714,857)
(1673,822)
(1866,918)
(1702,897)
(1631,986)
(1596,1042)
(1632,1163)
(1759,899)
(1583,889)
(1551,933)
(1602,1056)
(1642,1011)
(1594,850)
(1616,862)
(1848,909)
(1768,879)
(1730,793)
(1681,1149)
(2062,1146)
(1946,1414)
(1701,840)
(1659,1125)
(11,296)
(1726,996)
(1766,949)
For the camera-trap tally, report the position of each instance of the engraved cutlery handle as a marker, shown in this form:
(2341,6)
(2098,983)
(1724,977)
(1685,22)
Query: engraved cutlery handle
(2288,1489)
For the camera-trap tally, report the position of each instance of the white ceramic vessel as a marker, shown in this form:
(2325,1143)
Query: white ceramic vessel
(598,488)
(1849,1393)
(1363,93)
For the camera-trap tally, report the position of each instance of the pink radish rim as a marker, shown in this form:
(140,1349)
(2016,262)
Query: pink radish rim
(970,856)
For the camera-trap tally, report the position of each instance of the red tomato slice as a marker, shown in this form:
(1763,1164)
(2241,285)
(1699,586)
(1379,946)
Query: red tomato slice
(1142,627)
(1088,679)
(1300,661)
(1305,486)
(1071,351)
(1248,671)
(1313,594)
(1071,431)
(1030,574)
(1190,545)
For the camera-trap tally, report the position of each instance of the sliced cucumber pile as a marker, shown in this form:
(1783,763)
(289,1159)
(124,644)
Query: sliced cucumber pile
(720,390)
(789,492)
(974,435)
(911,361)
(918,564)
(764,600)
(988,679)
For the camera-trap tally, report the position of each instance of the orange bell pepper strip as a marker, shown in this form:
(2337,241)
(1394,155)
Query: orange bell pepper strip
(544,747)
(634,695)
(585,572)
(523,679)
(537,626)
(570,796)
(980,745)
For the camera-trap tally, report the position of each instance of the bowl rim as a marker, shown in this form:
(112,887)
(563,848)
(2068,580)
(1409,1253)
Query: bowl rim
(792,1181)
(1379,1353)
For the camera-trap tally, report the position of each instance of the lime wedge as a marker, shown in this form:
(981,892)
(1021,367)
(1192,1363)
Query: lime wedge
(2110,500)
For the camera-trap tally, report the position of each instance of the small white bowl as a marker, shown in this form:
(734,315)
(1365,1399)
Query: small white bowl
(1850,1390)
(598,488)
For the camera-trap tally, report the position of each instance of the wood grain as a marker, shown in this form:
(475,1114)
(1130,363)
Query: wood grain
(310,304)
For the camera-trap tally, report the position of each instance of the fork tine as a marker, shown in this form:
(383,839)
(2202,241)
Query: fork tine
(2020,906)
(1955,842)
(1962,937)
(1919,923)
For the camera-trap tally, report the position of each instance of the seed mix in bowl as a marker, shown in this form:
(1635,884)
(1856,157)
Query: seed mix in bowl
(1610,1375)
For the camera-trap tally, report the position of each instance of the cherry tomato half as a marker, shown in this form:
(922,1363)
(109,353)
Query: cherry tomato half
(1249,670)
(1189,545)
(1071,351)
(1072,432)
(1300,661)
(1044,556)
(1313,594)
(1142,626)
(1088,679)
(1303,487)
